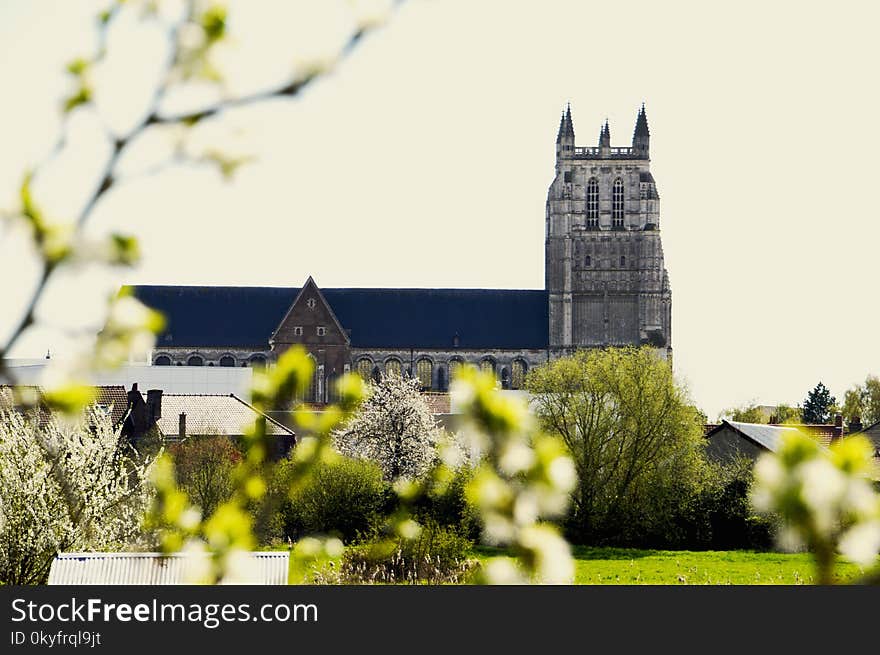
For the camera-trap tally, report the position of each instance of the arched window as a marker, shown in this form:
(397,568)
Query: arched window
(227,360)
(505,378)
(162,360)
(592,202)
(376,375)
(258,361)
(617,203)
(588,261)
(518,370)
(332,391)
(365,367)
(454,368)
(393,367)
(442,384)
(315,391)
(622,261)
(195,360)
(487,365)
(425,372)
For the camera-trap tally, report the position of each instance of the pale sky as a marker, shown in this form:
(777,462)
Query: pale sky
(424,161)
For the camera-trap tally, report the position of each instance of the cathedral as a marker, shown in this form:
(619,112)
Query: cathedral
(605,285)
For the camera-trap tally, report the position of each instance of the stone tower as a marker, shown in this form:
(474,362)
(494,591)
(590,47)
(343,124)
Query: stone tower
(604,269)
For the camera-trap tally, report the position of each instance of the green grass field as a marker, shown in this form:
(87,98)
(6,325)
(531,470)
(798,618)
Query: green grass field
(625,566)
(628,566)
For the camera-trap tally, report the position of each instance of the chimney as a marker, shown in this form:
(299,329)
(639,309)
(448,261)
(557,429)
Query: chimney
(838,427)
(855,424)
(181,429)
(154,405)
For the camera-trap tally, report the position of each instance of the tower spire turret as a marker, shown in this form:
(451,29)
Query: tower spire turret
(641,135)
(565,136)
(605,136)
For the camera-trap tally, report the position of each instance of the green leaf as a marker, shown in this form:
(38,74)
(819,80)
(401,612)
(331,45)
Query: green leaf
(124,249)
(28,207)
(81,97)
(78,66)
(213,22)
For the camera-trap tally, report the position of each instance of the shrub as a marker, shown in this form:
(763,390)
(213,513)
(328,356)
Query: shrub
(438,555)
(718,514)
(345,498)
(452,509)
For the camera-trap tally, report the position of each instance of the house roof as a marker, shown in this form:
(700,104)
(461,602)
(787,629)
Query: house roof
(767,436)
(264,568)
(208,414)
(245,317)
(869,428)
(112,397)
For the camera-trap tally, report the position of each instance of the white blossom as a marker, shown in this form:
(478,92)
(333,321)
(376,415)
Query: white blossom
(394,428)
(862,542)
(64,487)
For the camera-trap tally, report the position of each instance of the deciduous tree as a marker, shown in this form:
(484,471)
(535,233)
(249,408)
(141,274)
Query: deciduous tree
(863,400)
(630,428)
(64,486)
(751,413)
(204,468)
(394,428)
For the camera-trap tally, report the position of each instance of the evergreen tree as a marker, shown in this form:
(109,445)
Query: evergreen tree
(818,405)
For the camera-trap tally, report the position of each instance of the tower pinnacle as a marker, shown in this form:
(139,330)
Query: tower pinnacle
(605,136)
(641,135)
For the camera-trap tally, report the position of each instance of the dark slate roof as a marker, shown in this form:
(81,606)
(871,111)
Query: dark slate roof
(246,317)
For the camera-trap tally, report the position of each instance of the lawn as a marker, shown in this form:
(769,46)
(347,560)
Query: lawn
(627,566)
(630,566)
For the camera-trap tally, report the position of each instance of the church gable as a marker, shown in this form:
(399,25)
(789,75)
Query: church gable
(310,321)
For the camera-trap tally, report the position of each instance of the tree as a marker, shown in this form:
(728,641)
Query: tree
(394,428)
(818,405)
(788,414)
(64,486)
(863,401)
(204,467)
(751,413)
(631,430)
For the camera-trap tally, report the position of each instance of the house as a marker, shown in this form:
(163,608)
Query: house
(261,568)
(110,399)
(732,440)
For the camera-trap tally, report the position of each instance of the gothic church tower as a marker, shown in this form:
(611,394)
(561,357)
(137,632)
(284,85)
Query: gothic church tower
(604,269)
